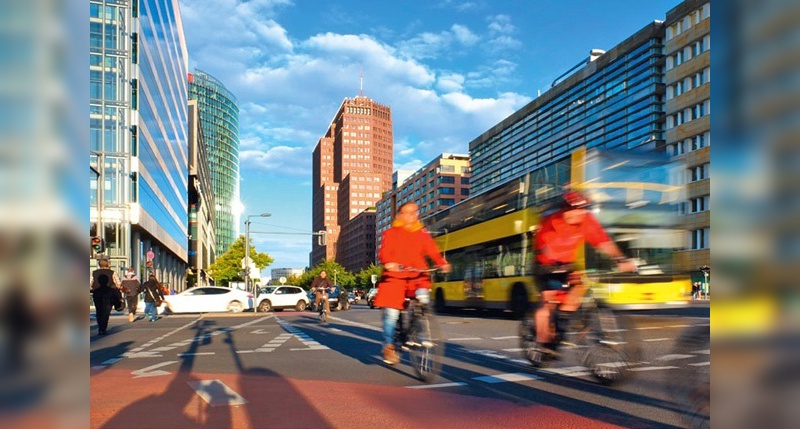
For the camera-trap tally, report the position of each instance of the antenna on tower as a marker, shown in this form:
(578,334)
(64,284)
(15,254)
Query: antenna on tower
(361,83)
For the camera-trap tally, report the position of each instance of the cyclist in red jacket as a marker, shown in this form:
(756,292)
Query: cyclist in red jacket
(558,238)
(404,246)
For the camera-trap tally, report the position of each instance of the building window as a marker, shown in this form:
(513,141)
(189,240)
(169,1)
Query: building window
(465,180)
(699,172)
(447,191)
(447,179)
(700,239)
(465,191)
(699,204)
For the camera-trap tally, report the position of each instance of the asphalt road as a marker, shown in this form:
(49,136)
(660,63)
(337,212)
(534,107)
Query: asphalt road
(286,370)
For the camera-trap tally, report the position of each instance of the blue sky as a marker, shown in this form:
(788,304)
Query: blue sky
(448,69)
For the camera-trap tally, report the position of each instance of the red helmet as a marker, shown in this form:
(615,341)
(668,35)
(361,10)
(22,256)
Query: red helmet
(575,200)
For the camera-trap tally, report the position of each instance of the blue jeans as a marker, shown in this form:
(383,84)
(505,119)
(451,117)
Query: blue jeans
(149,308)
(389,317)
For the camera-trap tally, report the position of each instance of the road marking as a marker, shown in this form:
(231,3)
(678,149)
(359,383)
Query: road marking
(197,354)
(489,353)
(465,339)
(436,386)
(307,341)
(649,340)
(335,329)
(647,328)
(512,350)
(652,368)
(136,355)
(570,371)
(504,378)
(155,340)
(259,331)
(510,337)
(216,393)
(700,364)
(678,326)
(674,357)
(146,372)
(702,352)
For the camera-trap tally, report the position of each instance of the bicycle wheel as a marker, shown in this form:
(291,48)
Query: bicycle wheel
(427,347)
(323,316)
(610,350)
(527,340)
(690,385)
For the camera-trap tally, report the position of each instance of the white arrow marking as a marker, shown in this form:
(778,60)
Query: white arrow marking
(259,331)
(216,393)
(146,372)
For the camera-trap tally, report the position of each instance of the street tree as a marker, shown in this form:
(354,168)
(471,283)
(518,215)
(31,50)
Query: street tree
(228,267)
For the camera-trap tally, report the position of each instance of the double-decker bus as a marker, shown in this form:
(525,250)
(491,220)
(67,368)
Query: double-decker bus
(487,238)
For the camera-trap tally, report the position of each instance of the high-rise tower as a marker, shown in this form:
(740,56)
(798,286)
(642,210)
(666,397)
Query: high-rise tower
(352,168)
(219,119)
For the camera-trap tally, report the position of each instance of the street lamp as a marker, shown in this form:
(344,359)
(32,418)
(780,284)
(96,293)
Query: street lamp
(247,252)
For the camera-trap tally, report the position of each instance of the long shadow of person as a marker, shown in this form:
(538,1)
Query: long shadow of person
(171,408)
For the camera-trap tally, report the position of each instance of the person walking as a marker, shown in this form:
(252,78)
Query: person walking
(152,297)
(406,245)
(131,287)
(105,292)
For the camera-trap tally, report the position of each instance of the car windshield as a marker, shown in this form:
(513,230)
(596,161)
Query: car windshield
(266,290)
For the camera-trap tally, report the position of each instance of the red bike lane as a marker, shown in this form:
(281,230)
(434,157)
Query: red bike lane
(122,400)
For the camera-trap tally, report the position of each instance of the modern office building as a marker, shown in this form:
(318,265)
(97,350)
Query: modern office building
(688,121)
(202,237)
(614,100)
(138,135)
(352,167)
(219,118)
(441,183)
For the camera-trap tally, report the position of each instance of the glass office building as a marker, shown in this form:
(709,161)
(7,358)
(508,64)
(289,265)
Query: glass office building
(138,135)
(219,119)
(613,102)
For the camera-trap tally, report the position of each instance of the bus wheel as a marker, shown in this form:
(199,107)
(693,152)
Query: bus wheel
(438,303)
(519,301)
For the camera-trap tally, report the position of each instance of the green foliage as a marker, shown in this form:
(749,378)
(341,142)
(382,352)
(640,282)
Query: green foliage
(227,268)
(336,273)
(364,277)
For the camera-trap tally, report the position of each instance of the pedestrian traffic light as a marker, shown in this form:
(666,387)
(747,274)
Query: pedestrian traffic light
(98,245)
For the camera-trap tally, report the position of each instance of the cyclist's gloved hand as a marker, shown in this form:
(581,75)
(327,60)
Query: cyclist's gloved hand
(446,268)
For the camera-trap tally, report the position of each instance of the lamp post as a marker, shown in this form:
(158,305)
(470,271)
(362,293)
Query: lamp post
(247,251)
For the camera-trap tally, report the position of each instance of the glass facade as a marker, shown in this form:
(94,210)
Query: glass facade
(219,119)
(138,133)
(619,105)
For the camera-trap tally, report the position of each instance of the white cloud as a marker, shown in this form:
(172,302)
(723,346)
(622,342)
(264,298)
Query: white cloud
(501,24)
(451,82)
(464,35)
(284,160)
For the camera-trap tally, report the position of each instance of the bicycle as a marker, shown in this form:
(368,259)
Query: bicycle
(419,335)
(690,385)
(323,314)
(603,337)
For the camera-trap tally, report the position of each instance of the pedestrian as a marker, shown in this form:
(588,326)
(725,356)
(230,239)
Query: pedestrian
(695,290)
(131,287)
(152,297)
(105,292)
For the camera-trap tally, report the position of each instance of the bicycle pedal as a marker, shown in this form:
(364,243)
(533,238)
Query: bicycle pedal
(405,348)
(411,344)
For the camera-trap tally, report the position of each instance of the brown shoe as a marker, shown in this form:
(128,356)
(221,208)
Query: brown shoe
(130,317)
(390,355)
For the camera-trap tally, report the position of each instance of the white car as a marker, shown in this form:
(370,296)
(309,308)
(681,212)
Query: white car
(209,299)
(280,297)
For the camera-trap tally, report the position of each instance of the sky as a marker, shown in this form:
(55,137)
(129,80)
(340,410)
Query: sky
(449,70)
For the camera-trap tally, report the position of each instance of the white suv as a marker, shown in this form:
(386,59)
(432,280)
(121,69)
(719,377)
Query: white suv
(280,297)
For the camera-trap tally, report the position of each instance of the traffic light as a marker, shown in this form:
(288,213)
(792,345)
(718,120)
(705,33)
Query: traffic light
(98,245)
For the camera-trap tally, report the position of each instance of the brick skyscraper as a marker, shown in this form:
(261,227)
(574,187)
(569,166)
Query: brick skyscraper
(352,168)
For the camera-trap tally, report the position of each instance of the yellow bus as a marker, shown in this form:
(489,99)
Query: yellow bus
(487,238)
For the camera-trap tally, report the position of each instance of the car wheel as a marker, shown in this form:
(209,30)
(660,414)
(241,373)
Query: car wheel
(301,305)
(265,306)
(235,307)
